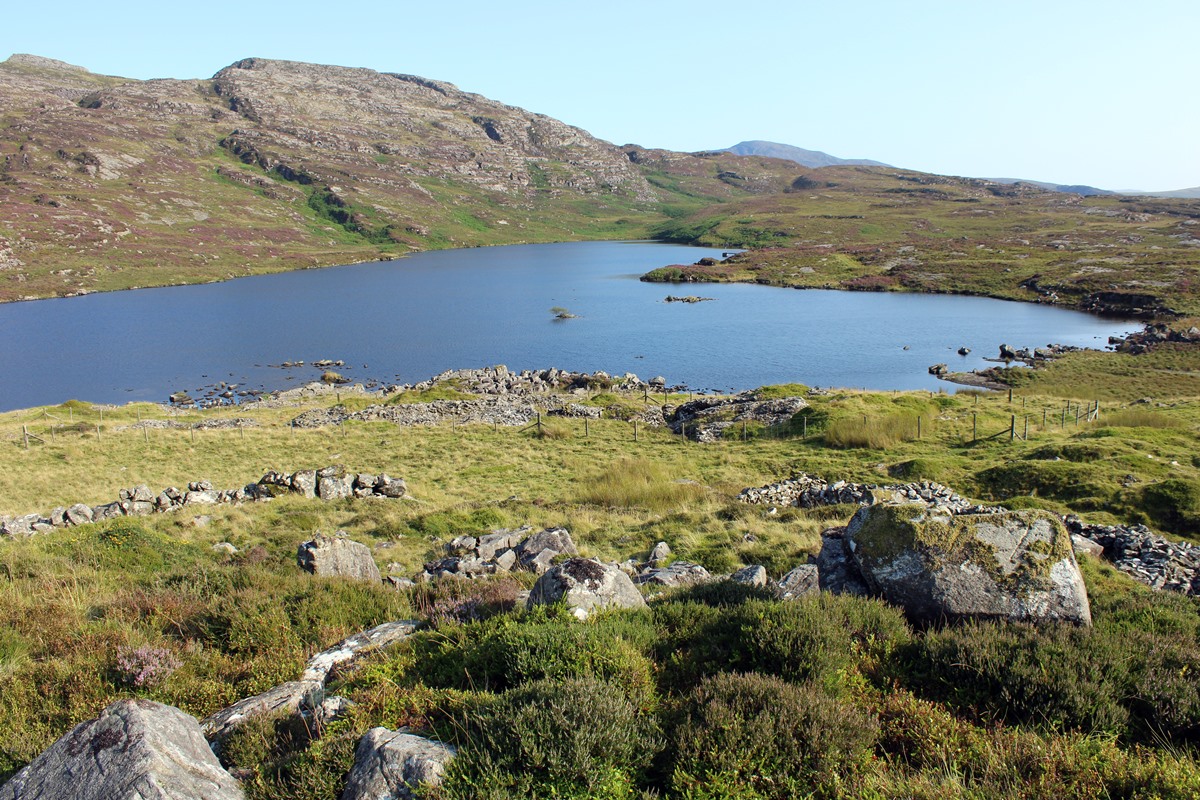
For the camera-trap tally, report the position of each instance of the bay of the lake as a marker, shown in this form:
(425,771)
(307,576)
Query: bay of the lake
(406,320)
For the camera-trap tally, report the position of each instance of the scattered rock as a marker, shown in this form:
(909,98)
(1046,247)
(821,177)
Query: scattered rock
(338,556)
(135,750)
(585,584)
(753,575)
(678,573)
(800,582)
(390,765)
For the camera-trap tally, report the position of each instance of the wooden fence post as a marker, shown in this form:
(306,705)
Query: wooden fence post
(974,427)
(1012,429)
(635,430)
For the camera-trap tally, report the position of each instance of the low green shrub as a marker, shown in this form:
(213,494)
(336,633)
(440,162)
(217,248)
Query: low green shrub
(546,643)
(778,739)
(1114,679)
(1173,505)
(821,639)
(1014,673)
(572,738)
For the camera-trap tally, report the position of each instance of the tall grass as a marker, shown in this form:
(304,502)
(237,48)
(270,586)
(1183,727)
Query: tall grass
(640,483)
(874,432)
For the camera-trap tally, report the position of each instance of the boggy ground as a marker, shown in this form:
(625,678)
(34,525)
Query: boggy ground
(862,704)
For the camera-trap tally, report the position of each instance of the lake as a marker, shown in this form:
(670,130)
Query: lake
(406,320)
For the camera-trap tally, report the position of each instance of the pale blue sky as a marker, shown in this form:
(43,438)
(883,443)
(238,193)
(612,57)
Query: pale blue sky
(1097,92)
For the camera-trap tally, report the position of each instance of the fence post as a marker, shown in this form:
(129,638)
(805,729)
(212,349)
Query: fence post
(97,433)
(1012,429)
(743,430)
(25,433)
(146,434)
(1010,394)
(1076,416)
(635,430)
(1043,419)
(1026,436)
(918,427)
(539,423)
(804,433)
(974,427)
(585,427)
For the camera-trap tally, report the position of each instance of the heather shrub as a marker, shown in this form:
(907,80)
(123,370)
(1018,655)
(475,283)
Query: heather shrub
(145,667)
(778,739)
(545,643)
(574,738)
(820,639)
(1051,676)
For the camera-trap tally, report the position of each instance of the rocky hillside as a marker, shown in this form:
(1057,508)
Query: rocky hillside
(111,183)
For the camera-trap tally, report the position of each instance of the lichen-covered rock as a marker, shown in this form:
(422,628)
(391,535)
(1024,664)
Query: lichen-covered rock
(1017,565)
(337,556)
(753,575)
(135,750)
(556,540)
(286,698)
(585,584)
(679,573)
(802,581)
(389,765)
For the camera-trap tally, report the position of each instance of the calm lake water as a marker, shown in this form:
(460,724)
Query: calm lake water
(407,320)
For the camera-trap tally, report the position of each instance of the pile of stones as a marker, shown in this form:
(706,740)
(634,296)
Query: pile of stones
(498,380)
(810,491)
(500,551)
(1145,556)
(328,483)
(706,419)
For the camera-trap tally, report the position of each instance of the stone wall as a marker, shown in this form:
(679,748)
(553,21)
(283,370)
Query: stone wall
(327,483)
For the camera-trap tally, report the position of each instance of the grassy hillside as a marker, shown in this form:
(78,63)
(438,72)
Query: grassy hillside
(861,704)
(880,229)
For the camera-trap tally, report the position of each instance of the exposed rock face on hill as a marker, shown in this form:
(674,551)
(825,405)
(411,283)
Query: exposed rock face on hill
(332,123)
(269,165)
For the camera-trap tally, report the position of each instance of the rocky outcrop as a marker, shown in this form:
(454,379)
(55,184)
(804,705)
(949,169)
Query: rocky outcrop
(1017,565)
(135,750)
(328,483)
(706,419)
(338,557)
(391,765)
(586,585)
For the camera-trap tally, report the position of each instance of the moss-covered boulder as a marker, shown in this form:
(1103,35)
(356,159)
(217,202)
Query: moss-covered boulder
(1016,565)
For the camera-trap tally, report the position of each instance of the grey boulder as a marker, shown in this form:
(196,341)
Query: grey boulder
(585,585)
(135,750)
(1017,565)
(337,556)
(389,765)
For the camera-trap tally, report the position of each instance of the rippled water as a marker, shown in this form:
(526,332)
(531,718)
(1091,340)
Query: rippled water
(406,320)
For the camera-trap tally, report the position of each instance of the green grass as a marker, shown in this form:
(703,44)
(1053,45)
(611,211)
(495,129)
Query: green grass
(73,599)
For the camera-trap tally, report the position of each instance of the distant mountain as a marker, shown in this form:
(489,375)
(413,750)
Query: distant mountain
(807,158)
(1080,189)
(1191,193)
